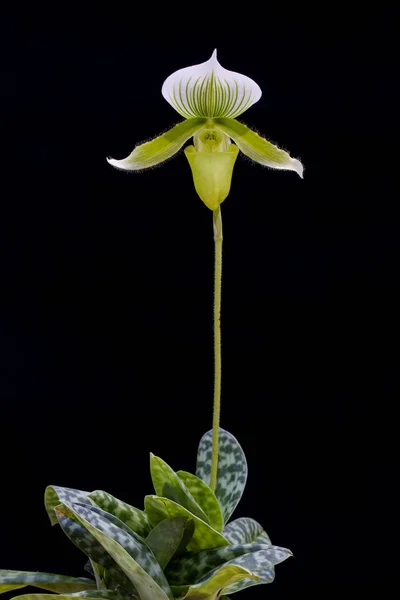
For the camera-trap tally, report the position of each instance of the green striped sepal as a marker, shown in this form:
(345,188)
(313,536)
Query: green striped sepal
(208,90)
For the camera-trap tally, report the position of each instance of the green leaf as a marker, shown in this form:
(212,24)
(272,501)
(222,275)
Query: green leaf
(197,565)
(88,544)
(211,586)
(107,594)
(232,469)
(121,546)
(204,536)
(131,542)
(257,148)
(166,538)
(55,495)
(245,531)
(13,580)
(133,517)
(205,498)
(97,571)
(161,148)
(93,595)
(167,484)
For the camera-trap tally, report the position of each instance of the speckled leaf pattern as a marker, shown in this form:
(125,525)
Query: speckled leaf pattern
(232,469)
(13,580)
(204,536)
(196,566)
(146,587)
(265,576)
(261,563)
(166,538)
(55,495)
(110,518)
(210,586)
(205,498)
(93,549)
(143,557)
(133,517)
(167,484)
(245,531)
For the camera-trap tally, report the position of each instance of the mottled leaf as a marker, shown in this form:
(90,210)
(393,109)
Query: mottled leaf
(13,580)
(261,563)
(110,518)
(167,484)
(166,538)
(135,518)
(245,531)
(117,545)
(204,536)
(265,576)
(232,469)
(131,542)
(205,498)
(88,544)
(55,495)
(210,586)
(199,564)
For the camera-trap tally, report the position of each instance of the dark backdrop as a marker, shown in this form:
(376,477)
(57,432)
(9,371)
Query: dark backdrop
(106,302)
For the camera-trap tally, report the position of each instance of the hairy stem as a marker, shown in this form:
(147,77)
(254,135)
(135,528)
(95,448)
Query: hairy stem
(217,343)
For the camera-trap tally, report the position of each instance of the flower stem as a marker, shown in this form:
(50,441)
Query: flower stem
(217,343)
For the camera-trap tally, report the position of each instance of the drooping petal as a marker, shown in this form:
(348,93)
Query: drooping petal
(257,148)
(209,90)
(161,148)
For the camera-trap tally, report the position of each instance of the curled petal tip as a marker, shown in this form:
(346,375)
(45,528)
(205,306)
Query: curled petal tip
(113,161)
(160,149)
(258,148)
(298,167)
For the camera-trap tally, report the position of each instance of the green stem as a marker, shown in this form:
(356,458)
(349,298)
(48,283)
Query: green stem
(217,343)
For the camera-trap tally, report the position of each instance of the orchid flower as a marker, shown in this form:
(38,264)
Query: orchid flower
(210,98)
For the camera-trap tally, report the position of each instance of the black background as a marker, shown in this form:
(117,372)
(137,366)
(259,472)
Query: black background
(106,302)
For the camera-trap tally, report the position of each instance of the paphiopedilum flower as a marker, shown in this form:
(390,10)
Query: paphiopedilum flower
(210,98)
